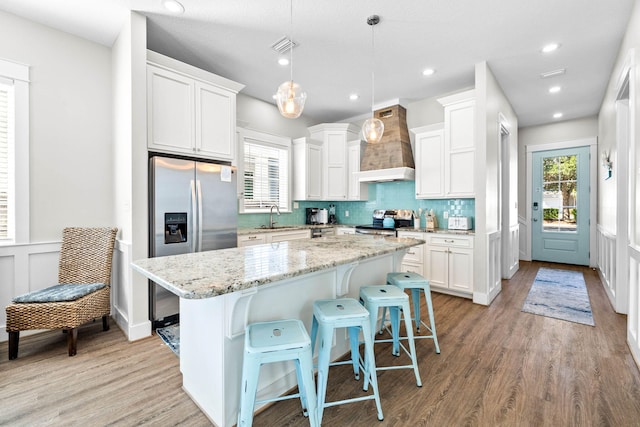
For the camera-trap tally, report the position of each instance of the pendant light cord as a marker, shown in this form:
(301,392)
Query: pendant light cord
(291,37)
(373,66)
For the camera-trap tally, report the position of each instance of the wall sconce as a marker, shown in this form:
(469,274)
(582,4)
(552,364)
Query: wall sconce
(607,164)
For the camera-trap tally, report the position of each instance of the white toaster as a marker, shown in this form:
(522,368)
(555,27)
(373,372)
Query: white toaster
(460,223)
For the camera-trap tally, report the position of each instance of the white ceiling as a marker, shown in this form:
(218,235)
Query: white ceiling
(232,38)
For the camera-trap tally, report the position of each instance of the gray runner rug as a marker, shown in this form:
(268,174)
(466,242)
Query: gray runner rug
(561,294)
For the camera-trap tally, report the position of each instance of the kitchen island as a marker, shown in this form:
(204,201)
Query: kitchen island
(224,290)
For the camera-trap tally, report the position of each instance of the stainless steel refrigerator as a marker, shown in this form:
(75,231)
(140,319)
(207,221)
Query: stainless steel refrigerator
(193,208)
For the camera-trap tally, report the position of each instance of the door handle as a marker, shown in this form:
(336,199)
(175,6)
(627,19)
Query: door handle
(535,219)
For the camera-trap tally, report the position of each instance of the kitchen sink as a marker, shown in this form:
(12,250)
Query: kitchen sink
(275,227)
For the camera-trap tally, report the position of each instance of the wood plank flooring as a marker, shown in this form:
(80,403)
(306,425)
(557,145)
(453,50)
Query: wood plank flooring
(498,366)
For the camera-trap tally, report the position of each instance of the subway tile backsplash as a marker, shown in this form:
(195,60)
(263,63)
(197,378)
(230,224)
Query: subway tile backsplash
(386,195)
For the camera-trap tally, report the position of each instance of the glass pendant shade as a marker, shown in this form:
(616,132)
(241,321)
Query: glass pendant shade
(290,99)
(372,130)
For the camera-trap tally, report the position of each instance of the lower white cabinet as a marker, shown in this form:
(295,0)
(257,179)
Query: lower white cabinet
(445,259)
(413,261)
(449,263)
(273,237)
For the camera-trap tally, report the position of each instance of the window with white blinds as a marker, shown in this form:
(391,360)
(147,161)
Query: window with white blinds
(266,176)
(7,114)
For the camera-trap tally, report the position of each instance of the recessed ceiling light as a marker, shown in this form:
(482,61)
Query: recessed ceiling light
(557,115)
(550,47)
(428,72)
(283,61)
(555,89)
(354,96)
(274,96)
(173,6)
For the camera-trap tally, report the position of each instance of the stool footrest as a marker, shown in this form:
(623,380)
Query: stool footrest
(352,400)
(278,399)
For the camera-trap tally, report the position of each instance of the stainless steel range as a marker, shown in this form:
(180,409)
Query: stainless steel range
(387,222)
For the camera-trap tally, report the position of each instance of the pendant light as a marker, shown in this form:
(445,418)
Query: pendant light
(373,128)
(290,97)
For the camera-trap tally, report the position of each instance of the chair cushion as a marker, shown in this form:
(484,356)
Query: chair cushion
(59,293)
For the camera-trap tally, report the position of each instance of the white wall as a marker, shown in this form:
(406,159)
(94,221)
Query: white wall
(544,134)
(492,107)
(258,115)
(70,126)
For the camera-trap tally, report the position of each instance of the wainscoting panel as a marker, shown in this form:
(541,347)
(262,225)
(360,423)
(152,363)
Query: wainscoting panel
(523,242)
(633,318)
(606,262)
(511,259)
(494,272)
(25,268)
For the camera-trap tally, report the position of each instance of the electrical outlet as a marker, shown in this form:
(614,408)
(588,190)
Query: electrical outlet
(346,213)
(295,205)
(445,214)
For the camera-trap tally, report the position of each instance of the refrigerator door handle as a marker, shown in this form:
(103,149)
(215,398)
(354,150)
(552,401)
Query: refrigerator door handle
(199,230)
(194,220)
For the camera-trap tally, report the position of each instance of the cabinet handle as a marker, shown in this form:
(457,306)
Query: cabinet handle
(253,237)
(449,241)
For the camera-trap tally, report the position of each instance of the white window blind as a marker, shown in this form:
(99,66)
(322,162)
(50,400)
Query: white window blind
(266,176)
(7,113)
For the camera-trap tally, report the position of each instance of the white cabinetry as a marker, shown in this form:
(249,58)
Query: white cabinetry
(307,169)
(430,161)
(251,239)
(459,145)
(190,111)
(413,261)
(449,263)
(334,138)
(356,190)
(272,237)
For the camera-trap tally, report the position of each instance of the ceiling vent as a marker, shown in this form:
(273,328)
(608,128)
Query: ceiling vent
(553,73)
(283,45)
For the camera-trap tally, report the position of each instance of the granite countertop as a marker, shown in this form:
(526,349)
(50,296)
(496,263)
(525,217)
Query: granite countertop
(257,230)
(440,231)
(212,273)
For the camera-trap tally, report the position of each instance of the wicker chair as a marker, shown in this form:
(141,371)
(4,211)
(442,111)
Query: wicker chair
(85,263)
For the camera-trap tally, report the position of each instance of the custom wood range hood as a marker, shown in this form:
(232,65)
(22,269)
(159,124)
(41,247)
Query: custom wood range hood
(391,159)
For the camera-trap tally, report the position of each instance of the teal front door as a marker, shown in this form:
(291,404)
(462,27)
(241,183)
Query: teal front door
(560,206)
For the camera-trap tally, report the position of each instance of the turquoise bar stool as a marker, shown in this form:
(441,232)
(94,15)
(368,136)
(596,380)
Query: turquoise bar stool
(329,315)
(387,296)
(276,341)
(418,285)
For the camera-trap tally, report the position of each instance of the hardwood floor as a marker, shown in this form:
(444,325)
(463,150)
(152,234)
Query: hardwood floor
(498,366)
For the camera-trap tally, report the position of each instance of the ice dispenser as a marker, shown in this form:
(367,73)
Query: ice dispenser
(175,227)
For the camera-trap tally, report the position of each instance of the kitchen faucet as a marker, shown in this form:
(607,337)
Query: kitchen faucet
(271,223)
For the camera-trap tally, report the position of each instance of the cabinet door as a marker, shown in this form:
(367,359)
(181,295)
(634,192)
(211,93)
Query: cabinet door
(461,269)
(430,160)
(356,190)
(288,235)
(170,111)
(437,266)
(215,122)
(345,230)
(460,149)
(314,172)
(336,161)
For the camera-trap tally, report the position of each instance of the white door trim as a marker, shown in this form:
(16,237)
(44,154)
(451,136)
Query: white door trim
(592,142)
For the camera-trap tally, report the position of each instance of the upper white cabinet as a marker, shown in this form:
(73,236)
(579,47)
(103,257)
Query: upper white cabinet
(430,161)
(356,190)
(459,144)
(190,111)
(307,169)
(335,166)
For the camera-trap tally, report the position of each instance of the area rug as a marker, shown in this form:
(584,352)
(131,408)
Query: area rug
(561,294)
(171,337)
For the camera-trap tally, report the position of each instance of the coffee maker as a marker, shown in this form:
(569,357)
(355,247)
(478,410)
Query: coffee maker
(312,216)
(332,214)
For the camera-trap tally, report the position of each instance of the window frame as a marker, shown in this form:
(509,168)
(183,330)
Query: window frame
(19,211)
(269,140)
